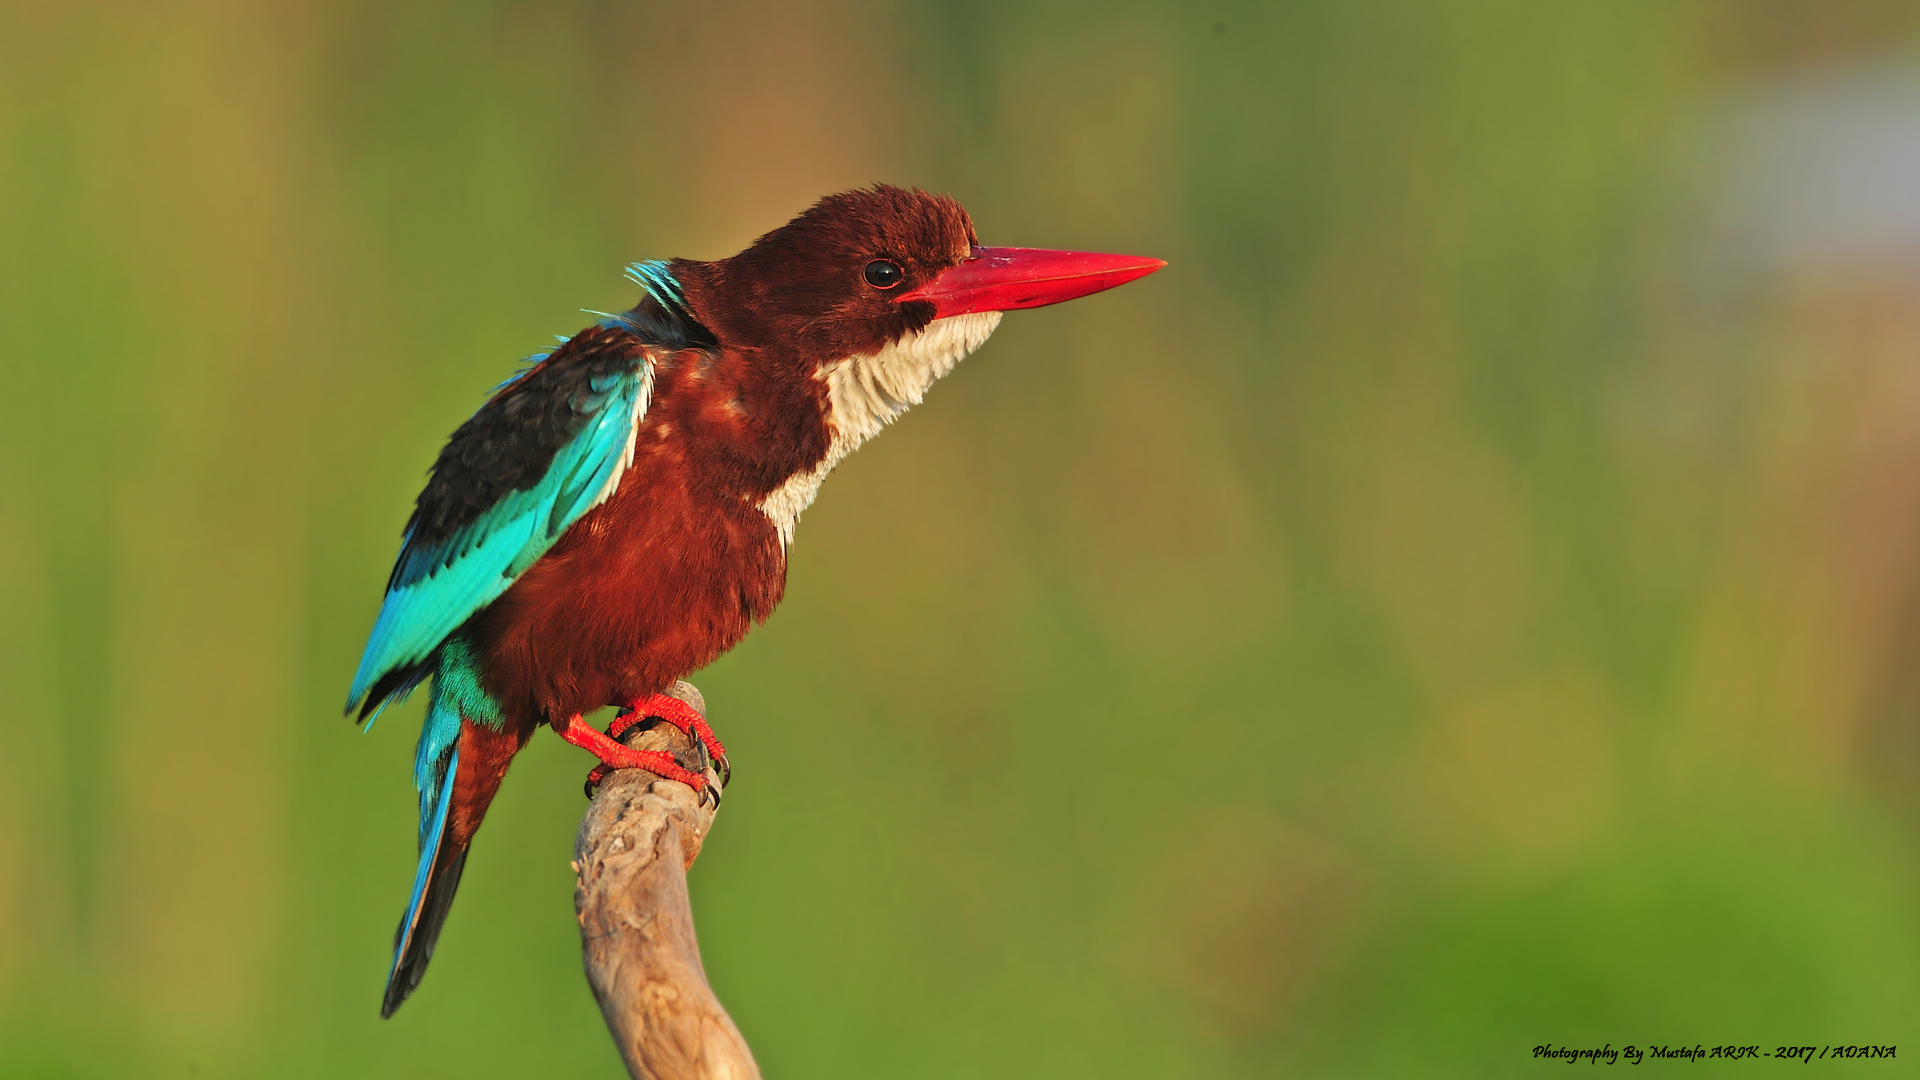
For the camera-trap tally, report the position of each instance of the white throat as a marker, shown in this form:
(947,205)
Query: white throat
(866,393)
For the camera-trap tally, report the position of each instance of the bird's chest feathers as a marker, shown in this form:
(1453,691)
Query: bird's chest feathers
(733,442)
(866,393)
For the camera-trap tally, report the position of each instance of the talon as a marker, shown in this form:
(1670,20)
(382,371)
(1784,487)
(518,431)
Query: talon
(600,773)
(680,715)
(614,755)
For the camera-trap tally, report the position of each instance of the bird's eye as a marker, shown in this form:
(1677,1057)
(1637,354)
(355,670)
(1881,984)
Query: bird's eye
(883,274)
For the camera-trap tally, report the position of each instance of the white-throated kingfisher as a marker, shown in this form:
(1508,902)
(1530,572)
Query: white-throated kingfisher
(617,515)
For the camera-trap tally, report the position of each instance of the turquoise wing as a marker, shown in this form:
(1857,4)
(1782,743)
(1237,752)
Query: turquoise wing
(549,446)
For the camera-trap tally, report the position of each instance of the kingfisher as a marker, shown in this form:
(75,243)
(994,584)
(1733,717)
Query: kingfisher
(617,514)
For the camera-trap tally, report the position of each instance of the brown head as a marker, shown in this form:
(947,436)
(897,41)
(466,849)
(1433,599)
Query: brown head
(859,270)
(808,283)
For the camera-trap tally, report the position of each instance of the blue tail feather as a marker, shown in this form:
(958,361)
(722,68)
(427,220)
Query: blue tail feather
(436,767)
(434,883)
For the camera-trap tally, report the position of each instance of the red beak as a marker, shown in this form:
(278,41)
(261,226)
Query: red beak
(1005,278)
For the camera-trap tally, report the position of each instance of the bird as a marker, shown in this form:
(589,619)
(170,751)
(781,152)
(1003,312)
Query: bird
(617,514)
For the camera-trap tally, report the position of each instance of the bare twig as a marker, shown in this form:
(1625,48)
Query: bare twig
(636,932)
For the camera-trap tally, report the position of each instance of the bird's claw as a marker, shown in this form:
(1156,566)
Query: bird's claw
(614,754)
(681,715)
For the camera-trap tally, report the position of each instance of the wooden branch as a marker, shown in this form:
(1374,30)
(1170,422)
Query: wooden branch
(636,931)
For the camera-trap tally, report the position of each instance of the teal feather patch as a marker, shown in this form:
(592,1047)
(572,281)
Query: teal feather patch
(456,686)
(653,276)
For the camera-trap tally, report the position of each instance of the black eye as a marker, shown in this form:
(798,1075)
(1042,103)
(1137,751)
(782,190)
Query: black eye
(883,274)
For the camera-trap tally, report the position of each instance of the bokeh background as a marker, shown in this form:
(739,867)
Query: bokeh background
(1469,600)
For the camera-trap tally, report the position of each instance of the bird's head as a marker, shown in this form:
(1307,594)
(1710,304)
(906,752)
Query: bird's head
(885,285)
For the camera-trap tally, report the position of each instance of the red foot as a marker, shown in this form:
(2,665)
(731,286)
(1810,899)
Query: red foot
(614,755)
(675,712)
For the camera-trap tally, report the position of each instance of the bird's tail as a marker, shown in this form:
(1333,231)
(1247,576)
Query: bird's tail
(458,768)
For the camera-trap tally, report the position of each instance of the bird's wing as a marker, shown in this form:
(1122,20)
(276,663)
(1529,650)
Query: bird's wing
(550,445)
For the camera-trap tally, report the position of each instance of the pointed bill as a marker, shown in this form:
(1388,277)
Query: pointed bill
(1007,278)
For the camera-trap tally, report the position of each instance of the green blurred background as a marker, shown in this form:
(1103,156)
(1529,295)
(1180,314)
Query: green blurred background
(1467,601)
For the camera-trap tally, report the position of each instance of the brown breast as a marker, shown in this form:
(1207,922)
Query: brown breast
(674,568)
